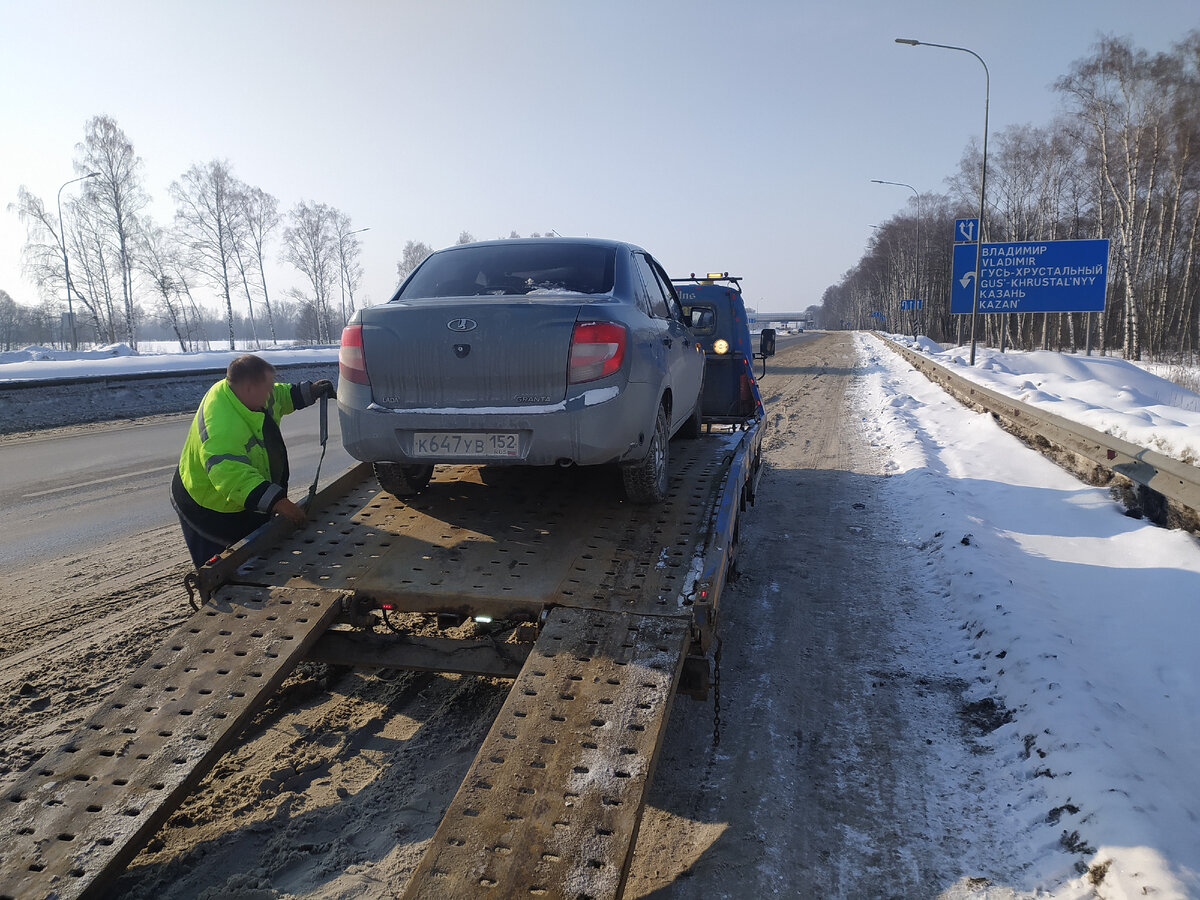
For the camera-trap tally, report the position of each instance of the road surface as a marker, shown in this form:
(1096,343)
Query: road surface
(71,491)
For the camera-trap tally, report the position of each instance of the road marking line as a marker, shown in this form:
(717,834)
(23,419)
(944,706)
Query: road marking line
(72,487)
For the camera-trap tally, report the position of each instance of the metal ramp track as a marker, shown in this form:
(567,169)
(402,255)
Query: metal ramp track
(78,816)
(552,803)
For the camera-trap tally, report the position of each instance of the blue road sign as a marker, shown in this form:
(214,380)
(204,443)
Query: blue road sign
(1031,276)
(910,304)
(966,231)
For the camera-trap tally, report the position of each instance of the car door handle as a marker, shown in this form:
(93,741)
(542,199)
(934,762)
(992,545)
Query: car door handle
(669,342)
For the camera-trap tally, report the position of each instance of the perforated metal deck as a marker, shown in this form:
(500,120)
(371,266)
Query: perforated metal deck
(503,540)
(79,814)
(552,803)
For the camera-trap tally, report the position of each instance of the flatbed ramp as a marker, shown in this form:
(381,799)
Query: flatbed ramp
(78,816)
(552,803)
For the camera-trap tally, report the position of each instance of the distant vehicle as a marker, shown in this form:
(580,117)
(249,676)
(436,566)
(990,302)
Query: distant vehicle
(713,306)
(523,352)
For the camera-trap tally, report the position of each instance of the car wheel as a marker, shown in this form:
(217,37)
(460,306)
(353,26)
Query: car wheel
(694,425)
(646,479)
(402,481)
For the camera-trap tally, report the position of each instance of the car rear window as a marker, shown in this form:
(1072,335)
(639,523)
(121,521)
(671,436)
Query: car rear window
(552,267)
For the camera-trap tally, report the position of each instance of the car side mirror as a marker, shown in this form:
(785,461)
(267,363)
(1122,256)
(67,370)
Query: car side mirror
(767,342)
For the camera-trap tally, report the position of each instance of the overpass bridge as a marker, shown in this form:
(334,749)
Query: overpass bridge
(762,319)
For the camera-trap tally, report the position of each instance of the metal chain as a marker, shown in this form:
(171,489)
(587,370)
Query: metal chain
(191,583)
(717,696)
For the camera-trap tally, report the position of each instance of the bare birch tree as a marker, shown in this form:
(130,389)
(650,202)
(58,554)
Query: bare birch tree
(116,199)
(259,213)
(1114,94)
(310,244)
(158,258)
(205,198)
(350,272)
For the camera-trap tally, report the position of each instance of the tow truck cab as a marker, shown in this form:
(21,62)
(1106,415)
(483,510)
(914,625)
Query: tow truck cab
(713,307)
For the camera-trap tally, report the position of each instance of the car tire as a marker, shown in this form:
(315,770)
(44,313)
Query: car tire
(694,426)
(646,479)
(402,481)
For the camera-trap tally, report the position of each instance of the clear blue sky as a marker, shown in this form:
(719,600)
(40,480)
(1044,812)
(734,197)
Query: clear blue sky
(732,136)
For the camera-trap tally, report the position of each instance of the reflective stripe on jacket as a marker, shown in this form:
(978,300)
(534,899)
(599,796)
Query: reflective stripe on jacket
(225,466)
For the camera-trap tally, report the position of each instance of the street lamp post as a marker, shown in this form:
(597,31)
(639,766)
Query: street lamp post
(342,260)
(917,261)
(987,89)
(62,243)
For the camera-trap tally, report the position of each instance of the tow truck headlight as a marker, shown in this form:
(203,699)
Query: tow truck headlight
(721,346)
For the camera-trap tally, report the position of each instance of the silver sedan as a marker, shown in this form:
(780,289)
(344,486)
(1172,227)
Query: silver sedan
(538,352)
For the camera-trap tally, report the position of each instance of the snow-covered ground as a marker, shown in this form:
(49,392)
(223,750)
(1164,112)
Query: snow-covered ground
(1120,398)
(38,363)
(1084,623)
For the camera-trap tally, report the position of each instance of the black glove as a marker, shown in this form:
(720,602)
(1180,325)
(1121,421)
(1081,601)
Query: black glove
(323,388)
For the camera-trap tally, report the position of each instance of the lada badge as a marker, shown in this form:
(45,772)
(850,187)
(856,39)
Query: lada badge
(462,325)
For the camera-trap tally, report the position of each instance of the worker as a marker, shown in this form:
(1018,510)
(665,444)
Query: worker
(233,471)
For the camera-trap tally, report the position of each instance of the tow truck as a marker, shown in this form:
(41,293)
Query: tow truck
(609,610)
(713,306)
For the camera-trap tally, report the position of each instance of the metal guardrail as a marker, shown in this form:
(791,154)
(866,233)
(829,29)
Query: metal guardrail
(1176,480)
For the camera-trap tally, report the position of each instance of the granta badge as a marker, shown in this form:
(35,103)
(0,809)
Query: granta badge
(462,324)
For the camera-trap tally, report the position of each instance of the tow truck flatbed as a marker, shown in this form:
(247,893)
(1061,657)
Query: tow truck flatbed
(626,590)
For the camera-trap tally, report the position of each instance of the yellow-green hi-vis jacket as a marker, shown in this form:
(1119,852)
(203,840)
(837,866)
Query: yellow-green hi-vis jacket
(225,466)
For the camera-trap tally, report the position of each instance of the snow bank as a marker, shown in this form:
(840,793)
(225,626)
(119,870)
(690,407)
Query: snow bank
(41,363)
(1102,392)
(1084,623)
(34,353)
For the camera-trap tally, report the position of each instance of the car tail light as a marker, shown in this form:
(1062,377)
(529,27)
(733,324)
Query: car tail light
(597,349)
(352,364)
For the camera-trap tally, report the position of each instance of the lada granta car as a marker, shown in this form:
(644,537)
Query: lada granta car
(534,352)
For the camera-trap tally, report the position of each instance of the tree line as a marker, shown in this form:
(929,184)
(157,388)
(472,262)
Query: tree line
(125,272)
(1122,162)
(129,277)
(44,325)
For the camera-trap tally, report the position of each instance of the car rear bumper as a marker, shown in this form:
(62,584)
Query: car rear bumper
(602,425)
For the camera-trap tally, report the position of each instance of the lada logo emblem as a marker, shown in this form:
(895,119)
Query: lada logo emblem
(462,324)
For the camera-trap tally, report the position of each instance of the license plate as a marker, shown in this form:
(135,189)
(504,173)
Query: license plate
(466,445)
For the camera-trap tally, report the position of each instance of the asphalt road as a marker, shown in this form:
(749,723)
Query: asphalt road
(71,490)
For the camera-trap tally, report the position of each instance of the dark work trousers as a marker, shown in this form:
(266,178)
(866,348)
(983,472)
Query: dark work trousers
(201,548)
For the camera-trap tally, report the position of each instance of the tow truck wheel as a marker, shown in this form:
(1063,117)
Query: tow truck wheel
(646,479)
(402,481)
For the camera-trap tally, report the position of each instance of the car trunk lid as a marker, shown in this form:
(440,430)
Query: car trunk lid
(469,353)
